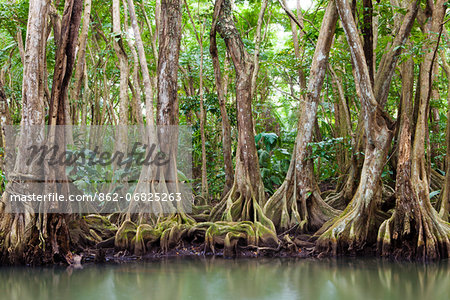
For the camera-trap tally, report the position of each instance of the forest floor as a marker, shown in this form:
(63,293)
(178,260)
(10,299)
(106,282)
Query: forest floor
(300,248)
(110,255)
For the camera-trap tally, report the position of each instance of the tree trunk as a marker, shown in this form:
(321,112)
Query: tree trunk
(143,63)
(444,208)
(246,196)
(431,235)
(124,72)
(169,51)
(54,226)
(258,46)
(134,84)
(226,127)
(367,31)
(81,61)
(7,163)
(357,225)
(394,233)
(298,200)
(26,229)
(199,37)
(17,230)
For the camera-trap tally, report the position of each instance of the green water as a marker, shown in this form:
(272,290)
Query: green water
(232,279)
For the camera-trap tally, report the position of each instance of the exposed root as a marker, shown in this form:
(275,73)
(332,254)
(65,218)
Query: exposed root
(415,230)
(229,234)
(336,200)
(124,236)
(291,206)
(242,203)
(355,228)
(416,233)
(171,234)
(30,238)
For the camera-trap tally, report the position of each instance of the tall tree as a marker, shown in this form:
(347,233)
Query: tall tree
(245,199)
(18,229)
(357,225)
(23,232)
(124,72)
(298,200)
(221,95)
(427,235)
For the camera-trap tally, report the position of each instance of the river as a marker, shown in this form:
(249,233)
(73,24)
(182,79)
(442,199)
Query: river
(188,278)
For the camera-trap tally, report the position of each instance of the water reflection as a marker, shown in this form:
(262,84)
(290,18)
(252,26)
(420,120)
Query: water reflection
(232,279)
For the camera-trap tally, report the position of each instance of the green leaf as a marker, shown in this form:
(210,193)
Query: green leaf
(434,193)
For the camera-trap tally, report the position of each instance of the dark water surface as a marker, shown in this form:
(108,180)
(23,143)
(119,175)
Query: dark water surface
(232,279)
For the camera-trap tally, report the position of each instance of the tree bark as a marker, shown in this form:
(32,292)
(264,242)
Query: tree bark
(7,163)
(367,31)
(143,63)
(54,226)
(81,60)
(432,234)
(258,46)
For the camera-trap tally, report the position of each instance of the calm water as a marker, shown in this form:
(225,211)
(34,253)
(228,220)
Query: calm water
(232,279)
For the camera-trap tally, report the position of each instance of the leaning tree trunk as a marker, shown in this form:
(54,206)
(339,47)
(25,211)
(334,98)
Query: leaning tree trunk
(356,226)
(245,199)
(427,234)
(381,85)
(298,200)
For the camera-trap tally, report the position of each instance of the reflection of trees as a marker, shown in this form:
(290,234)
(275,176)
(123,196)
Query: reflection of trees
(232,279)
(382,279)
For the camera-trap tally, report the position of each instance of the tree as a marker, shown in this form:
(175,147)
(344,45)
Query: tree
(22,231)
(415,222)
(358,223)
(246,196)
(298,200)
(226,128)
(124,72)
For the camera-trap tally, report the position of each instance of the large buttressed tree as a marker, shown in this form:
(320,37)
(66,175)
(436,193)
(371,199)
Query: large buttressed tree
(16,229)
(415,229)
(357,226)
(246,197)
(24,234)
